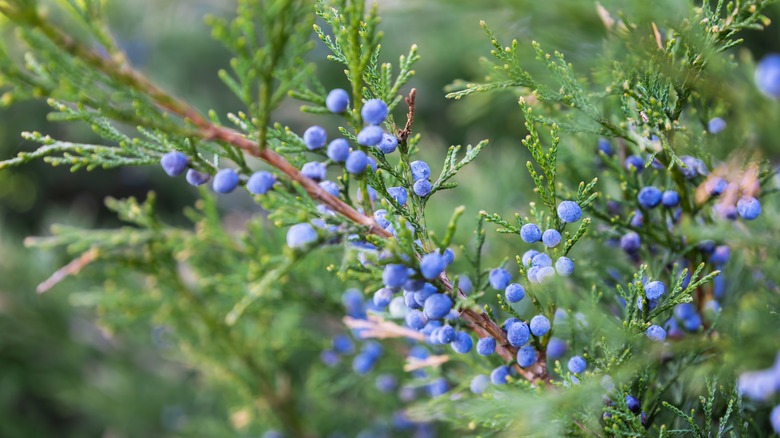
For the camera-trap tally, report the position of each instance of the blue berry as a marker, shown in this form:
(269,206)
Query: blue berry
(633,404)
(514,293)
(530,233)
(692,323)
(774,418)
(370,135)
(464,283)
(656,333)
(544,273)
(448,256)
(174,163)
(569,211)
(372,163)
(337,101)
(721,255)
(356,162)
(431,265)
(416,320)
(438,387)
(693,167)
(577,365)
(261,182)
(716,125)
(328,186)
(649,197)
(225,181)
(605,146)
(526,356)
(314,170)
(531,273)
(382,297)
(329,357)
(342,344)
(540,325)
(363,363)
(717,186)
(300,235)
(411,284)
(749,207)
(670,199)
(486,346)
(479,384)
(638,219)
(398,193)
(654,290)
(420,170)
(394,275)
(528,256)
(315,138)
(518,334)
(437,306)
(388,144)
(556,348)
(500,375)
(564,266)
(541,260)
(551,238)
(499,278)
(462,343)
(421,295)
(196,178)
(422,188)
(630,242)
(386,383)
(447,334)
(338,150)
(374,112)
(768,75)
(634,163)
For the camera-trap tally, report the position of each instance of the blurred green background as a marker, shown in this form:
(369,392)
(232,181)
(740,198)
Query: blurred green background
(61,374)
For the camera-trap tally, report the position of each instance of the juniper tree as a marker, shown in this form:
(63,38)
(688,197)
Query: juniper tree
(645,310)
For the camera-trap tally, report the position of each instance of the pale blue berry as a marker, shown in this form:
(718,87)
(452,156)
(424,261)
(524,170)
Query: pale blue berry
(514,293)
(749,208)
(374,112)
(656,333)
(225,181)
(768,75)
(388,144)
(716,125)
(569,211)
(416,320)
(315,170)
(530,233)
(330,187)
(541,260)
(577,365)
(338,150)
(420,170)
(398,193)
(540,325)
(670,199)
(382,297)
(260,182)
(634,163)
(500,375)
(528,256)
(479,384)
(526,356)
(551,238)
(437,306)
(195,178)
(370,135)
(422,188)
(300,235)
(357,162)
(462,343)
(394,275)
(315,137)
(556,348)
(174,163)
(654,290)
(564,266)
(499,278)
(337,101)
(486,346)
(518,334)
(432,265)
(630,242)
(649,197)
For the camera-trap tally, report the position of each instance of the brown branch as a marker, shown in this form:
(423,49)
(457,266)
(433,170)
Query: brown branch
(479,321)
(72,268)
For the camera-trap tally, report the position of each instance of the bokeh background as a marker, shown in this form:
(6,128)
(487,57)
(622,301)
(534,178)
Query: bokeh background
(61,374)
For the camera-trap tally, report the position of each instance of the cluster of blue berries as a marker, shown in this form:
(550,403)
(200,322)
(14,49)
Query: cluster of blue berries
(225,181)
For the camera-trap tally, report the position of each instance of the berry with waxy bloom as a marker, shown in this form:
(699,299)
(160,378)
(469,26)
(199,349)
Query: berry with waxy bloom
(630,242)
(315,170)
(551,238)
(479,384)
(486,346)
(437,306)
(649,197)
(526,356)
(398,194)
(577,365)
(195,178)
(530,233)
(634,163)
(382,297)
(395,275)
(654,290)
(564,266)
(300,235)
(749,208)
(716,125)
(374,112)
(338,150)
(337,101)
(768,75)
(315,137)
(388,144)
(422,188)
(357,162)
(225,181)
(670,199)
(518,334)
(462,343)
(262,182)
(540,325)
(656,333)
(174,163)
(370,135)
(499,278)
(569,211)
(500,375)
(514,293)
(432,265)
(420,170)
